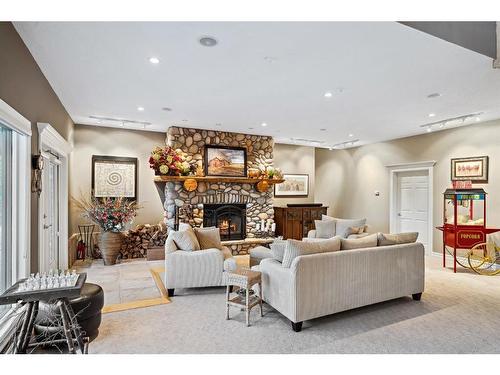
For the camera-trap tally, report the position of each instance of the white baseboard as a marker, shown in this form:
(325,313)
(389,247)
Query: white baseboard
(449,258)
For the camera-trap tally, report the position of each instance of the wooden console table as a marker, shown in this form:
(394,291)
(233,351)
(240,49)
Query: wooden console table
(295,222)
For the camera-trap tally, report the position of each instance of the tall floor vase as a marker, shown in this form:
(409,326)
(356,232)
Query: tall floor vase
(110,244)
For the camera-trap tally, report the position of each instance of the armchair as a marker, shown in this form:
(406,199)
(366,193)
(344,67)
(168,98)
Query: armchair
(194,269)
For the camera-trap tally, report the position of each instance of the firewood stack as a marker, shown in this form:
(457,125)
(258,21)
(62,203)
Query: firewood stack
(144,236)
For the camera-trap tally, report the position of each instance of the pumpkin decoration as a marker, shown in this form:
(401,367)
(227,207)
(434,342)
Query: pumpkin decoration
(262,186)
(253,173)
(190,184)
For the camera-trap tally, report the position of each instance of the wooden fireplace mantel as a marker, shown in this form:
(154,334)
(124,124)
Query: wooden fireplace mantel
(216,179)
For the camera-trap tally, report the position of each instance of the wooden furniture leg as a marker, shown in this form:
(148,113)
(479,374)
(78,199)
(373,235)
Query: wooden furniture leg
(66,327)
(297,327)
(247,305)
(74,325)
(170,292)
(31,323)
(25,332)
(227,304)
(260,302)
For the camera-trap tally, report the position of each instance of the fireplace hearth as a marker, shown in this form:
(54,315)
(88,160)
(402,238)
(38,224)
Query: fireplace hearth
(228,217)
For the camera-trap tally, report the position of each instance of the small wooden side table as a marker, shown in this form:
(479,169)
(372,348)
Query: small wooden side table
(243,278)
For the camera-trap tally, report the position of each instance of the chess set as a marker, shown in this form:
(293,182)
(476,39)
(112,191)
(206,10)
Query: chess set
(54,279)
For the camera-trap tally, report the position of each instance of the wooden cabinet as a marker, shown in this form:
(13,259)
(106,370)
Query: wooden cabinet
(295,222)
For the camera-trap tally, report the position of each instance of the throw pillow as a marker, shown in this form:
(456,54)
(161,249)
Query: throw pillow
(326,217)
(278,250)
(325,228)
(209,238)
(344,224)
(296,248)
(185,240)
(396,239)
(359,243)
(355,230)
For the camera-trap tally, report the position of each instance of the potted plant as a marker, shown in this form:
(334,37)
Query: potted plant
(169,162)
(112,215)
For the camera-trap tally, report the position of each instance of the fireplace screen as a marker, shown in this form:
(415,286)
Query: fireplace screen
(229,218)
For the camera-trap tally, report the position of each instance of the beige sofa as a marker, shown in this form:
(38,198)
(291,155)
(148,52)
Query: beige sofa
(326,283)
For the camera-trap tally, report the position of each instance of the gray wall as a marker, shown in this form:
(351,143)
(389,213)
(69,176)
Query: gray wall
(347,179)
(24,87)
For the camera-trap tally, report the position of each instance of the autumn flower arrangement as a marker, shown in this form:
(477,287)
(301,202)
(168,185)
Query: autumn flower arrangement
(111,214)
(170,162)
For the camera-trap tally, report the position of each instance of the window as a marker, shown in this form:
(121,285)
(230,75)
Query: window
(15,146)
(5,207)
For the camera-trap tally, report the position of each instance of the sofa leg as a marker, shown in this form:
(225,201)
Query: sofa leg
(416,296)
(171,292)
(297,327)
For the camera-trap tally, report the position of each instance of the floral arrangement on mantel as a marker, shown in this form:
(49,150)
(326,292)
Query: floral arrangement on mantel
(111,214)
(169,162)
(264,169)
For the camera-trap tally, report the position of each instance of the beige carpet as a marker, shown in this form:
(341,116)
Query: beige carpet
(459,313)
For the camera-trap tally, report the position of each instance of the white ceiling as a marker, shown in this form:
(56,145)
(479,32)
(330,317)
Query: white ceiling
(379,73)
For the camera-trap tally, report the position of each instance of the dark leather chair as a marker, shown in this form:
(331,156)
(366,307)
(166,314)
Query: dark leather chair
(87,308)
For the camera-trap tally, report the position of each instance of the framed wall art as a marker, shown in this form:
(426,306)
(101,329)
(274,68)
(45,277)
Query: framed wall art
(295,185)
(114,176)
(474,169)
(225,161)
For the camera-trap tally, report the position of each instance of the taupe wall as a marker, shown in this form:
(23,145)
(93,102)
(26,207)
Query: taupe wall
(347,179)
(91,140)
(295,159)
(24,87)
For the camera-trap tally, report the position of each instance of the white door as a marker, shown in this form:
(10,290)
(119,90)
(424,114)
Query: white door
(413,204)
(49,200)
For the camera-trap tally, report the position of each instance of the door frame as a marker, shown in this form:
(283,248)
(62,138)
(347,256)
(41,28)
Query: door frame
(48,137)
(393,195)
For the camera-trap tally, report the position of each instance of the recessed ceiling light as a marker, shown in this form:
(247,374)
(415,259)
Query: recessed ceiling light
(478,119)
(434,95)
(323,129)
(328,94)
(432,114)
(351,135)
(251,127)
(208,41)
(166,109)
(263,124)
(154,60)
(429,129)
(140,109)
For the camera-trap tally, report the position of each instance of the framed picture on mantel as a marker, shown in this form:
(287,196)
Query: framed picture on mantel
(295,185)
(114,176)
(225,161)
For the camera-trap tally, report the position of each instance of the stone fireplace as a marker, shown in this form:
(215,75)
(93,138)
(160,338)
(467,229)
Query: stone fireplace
(230,218)
(235,207)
